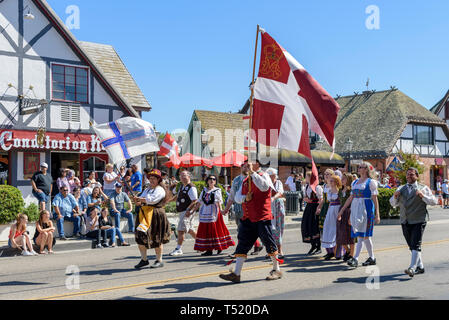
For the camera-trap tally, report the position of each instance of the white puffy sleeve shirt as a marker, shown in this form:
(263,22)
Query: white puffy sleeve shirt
(153,196)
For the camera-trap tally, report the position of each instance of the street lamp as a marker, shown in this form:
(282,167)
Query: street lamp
(349,145)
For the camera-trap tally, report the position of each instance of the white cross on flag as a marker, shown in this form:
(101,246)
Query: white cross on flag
(169,147)
(289,100)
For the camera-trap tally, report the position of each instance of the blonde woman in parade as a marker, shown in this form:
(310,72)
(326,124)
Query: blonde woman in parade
(278,210)
(310,229)
(364,213)
(328,240)
(344,239)
(324,204)
(153,228)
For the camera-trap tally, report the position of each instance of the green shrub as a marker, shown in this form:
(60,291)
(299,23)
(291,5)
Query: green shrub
(11,203)
(32,211)
(170,207)
(385,209)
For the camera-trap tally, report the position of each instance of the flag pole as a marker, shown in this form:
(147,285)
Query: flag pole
(251,107)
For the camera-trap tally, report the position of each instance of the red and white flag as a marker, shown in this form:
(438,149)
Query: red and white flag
(287,99)
(169,147)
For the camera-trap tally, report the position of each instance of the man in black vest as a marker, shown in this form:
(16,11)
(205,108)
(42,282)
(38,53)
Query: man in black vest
(413,199)
(185,201)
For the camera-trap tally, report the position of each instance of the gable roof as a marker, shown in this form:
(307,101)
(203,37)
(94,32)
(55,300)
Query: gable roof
(70,39)
(374,121)
(436,109)
(113,68)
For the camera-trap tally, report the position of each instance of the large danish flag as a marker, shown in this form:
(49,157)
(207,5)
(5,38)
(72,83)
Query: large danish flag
(288,100)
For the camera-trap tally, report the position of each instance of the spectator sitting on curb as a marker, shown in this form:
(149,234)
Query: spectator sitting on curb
(118,199)
(19,238)
(106,226)
(44,233)
(93,231)
(66,209)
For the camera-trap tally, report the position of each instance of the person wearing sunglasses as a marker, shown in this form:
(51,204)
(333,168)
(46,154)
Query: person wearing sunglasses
(212,232)
(66,209)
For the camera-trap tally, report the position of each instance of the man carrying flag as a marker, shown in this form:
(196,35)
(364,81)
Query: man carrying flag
(288,102)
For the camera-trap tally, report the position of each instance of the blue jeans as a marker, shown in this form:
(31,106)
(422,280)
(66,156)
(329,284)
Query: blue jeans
(123,213)
(41,197)
(60,224)
(112,233)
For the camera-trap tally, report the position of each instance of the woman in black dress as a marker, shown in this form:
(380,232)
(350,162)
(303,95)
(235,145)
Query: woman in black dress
(310,221)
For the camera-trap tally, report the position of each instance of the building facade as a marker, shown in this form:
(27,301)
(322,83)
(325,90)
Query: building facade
(54,84)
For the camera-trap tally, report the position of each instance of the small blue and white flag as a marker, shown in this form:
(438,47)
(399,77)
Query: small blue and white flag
(127,138)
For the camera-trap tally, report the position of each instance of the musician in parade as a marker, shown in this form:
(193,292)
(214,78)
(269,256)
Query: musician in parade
(255,197)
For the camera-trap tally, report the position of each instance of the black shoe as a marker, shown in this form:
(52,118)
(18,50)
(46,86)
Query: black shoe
(207,254)
(337,258)
(142,264)
(105,245)
(317,251)
(311,251)
(257,250)
(157,264)
(347,257)
(63,238)
(219,252)
(369,262)
(419,270)
(410,272)
(280,257)
(353,263)
(329,256)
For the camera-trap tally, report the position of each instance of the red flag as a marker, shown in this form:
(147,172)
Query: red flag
(169,147)
(288,100)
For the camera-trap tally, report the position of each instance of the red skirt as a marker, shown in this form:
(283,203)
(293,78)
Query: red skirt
(213,236)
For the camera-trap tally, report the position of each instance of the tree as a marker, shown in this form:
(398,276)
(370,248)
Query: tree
(408,161)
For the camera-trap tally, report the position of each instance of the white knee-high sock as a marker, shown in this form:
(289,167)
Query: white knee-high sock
(239,265)
(420,263)
(415,258)
(369,247)
(358,248)
(275,263)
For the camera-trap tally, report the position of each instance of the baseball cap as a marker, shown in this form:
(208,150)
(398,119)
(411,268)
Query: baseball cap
(44,165)
(87,182)
(118,185)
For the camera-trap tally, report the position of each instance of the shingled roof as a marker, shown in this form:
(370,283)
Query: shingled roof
(113,68)
(374,121)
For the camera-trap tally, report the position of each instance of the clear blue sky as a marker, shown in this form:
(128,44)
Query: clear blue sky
(188,55)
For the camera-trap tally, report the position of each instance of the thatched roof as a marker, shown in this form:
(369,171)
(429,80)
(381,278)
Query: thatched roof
(374,121)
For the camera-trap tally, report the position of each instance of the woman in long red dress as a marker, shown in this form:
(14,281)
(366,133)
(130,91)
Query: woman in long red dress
(212,232)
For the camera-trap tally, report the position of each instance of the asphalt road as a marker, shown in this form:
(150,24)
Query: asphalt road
(110,274)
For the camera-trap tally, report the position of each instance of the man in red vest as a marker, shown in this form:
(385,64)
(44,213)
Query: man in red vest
(255,198)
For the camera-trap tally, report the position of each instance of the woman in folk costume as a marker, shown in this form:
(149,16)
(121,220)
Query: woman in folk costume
(310,229)
(364,213)
(324,203)
(329,238)
(278,210)
(212,232)
(153,228)
(344,239)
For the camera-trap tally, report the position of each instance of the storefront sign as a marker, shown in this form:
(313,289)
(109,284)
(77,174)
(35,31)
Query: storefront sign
(82,143)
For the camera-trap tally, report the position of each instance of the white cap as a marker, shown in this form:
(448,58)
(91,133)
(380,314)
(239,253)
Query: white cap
(272,172)
(44,165)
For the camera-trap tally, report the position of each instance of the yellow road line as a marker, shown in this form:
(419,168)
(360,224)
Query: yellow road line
(136,285)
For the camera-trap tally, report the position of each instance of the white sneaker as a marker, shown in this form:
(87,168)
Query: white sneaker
(26,253)
(34,253)
(176,252)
